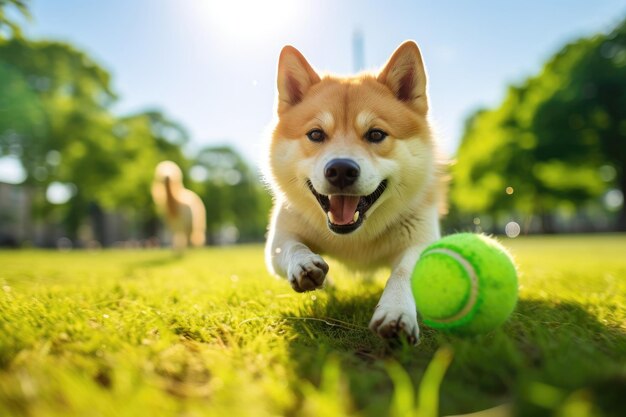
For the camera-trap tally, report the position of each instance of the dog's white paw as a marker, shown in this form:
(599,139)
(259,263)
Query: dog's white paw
(307,273)
(389,322)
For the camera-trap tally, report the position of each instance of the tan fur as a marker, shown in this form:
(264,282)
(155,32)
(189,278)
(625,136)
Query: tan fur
(182,209)
(401,222)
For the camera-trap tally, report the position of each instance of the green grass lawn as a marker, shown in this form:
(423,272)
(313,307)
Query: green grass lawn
(145,333)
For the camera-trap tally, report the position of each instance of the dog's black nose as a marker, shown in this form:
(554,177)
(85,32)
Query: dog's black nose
(342,172)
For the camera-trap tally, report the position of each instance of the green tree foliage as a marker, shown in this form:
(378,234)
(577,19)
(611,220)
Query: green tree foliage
(142,141)
(63,100)
(232,193)
(542,150)
(584,121)
(58,121)
(56,118)
(8,26)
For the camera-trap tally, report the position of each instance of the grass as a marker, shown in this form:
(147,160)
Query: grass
(145,333)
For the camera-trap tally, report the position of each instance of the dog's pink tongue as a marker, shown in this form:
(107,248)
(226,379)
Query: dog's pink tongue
(342,208)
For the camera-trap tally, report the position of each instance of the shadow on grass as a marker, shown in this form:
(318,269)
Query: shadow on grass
(546,353)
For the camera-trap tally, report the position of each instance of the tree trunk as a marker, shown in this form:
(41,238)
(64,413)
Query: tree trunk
(547,223)
(98,225)
(150,227)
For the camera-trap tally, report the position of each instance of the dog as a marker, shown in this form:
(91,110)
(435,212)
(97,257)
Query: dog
(183,210)
(356,176)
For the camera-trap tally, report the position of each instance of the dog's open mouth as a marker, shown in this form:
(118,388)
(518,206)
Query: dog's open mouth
(346,213)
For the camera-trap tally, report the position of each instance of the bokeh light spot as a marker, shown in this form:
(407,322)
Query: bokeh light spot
(607,173)
(199,173)
(11,170)
(512,229)
(53,158)
(60,193)
(613,199)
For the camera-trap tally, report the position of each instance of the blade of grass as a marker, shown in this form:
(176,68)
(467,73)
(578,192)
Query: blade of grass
(428,392)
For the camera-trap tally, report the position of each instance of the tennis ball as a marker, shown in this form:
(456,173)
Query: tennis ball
(465,283)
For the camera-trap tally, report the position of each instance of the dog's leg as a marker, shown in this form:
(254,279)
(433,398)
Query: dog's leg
(396,312)
(287,257)
(179,241)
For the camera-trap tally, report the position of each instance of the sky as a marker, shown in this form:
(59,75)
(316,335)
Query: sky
(211,65)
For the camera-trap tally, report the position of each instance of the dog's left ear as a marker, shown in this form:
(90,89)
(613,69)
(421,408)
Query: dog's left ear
(405,76)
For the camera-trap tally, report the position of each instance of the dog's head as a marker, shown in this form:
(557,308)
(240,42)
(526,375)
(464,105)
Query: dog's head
(168,171)
(167,178)
(352,150)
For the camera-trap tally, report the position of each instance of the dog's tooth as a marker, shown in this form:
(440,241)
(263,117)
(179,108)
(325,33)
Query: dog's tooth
(356,216)
(331,217)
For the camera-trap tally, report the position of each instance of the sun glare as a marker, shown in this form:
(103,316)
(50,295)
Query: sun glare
(249,20)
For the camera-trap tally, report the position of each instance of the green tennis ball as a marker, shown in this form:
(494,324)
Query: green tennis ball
(465,283)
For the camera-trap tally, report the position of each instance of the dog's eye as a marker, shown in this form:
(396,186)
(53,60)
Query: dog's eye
(316,135)
(375,135)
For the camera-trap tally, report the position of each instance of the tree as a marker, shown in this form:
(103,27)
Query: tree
(58,122)
(56,119)
(493,172)
(8,27)
(232,193)
(143,140)
(543,148)
(584,121)
(61,127)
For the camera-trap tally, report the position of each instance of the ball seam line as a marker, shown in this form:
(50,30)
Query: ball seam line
(471,273)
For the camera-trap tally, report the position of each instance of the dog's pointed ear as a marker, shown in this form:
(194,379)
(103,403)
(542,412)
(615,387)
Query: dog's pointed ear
(295,77)
(405,75)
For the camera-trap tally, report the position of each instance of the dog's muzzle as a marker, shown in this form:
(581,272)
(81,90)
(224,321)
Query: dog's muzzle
(346,213)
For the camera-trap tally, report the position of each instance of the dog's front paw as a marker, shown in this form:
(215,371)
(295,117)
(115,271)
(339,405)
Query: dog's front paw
(307,273)
(390,322)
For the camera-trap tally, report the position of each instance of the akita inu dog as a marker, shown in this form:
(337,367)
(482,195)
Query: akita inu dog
(355,175)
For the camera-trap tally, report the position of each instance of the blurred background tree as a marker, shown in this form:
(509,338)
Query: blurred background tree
(8,27)
(142,141)
(235,200)
(556,146)
(82,161)
(67,140)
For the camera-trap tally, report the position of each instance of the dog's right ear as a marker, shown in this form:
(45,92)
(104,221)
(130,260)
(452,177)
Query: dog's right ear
(295,77)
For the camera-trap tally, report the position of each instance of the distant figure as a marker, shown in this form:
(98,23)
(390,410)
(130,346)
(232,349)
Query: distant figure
(182,209)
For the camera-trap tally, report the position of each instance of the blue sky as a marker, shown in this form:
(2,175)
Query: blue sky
(211,65)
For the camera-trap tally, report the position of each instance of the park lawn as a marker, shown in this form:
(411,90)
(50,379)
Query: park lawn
(146,333)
